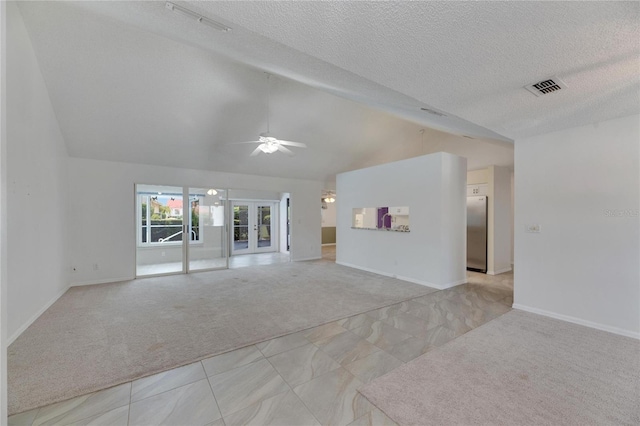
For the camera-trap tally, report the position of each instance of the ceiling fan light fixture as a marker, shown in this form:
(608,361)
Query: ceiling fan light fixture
(268,144)
(329,200)
(212,192)
(265,138)
(268,147)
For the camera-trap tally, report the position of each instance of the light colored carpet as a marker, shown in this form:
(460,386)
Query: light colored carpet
(519,369)
(99,336)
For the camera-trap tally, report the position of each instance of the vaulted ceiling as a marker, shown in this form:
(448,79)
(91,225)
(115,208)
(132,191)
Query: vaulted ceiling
(133,81)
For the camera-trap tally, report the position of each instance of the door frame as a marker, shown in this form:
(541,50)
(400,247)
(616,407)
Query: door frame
(186,230)
(252,225)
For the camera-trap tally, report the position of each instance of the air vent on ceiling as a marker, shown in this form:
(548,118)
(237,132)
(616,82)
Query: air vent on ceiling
(434,112)
(547,86)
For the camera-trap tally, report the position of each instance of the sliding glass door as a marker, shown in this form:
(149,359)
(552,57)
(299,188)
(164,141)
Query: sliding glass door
(179,229)
(207,243)
(159,229)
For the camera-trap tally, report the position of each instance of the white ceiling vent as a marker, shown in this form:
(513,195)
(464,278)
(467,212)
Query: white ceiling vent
(547,86)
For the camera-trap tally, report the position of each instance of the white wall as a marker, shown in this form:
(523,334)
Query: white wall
(329,215)
(581,185)
(434,188)
(37,192)
(155,255)
(250,194)
(513,204)
(477,176)
(3,212)
(107,235)
(499,217)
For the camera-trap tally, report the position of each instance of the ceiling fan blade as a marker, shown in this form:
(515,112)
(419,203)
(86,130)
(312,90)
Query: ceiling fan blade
(255,151)
(239,143)
(289,143)
(285,150)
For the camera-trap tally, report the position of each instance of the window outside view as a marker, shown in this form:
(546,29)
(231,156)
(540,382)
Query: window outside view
(161,218)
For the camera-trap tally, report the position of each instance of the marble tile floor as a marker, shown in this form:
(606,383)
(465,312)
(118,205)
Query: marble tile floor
(306,378)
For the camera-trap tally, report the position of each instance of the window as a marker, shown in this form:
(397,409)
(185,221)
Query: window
(195,218)
(161,218)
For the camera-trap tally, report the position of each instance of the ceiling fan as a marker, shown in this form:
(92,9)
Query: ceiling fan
(268,143)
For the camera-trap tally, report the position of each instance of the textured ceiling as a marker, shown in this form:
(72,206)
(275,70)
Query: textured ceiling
(472,59)
(131,81)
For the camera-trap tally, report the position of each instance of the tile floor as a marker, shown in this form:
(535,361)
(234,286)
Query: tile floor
(306,378)
(239,261)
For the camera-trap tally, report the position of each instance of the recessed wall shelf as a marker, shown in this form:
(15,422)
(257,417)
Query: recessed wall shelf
(395,219)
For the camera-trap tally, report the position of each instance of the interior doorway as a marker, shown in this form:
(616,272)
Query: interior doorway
(328,202)
(255,227)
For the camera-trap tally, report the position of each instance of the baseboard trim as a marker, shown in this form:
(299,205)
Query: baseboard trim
(499,271)
(454,283)
(35,316)
(328,244)
(403,278)
(306,258)
(574,320)
(105,281)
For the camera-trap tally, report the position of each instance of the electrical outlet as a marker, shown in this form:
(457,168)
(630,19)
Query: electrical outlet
(95,267)
(533,228)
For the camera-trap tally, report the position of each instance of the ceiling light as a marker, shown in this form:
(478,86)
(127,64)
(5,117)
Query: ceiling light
(329,200)
(268,147)
(212,192)
(190,14)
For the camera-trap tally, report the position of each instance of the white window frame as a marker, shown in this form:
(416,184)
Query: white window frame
(140,199)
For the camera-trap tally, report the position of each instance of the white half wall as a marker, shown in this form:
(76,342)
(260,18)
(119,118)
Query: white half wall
(434,188)
(581,186)
(37,186)
(102,212)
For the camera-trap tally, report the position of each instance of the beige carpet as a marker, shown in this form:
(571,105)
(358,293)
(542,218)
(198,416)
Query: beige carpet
(99,336)
(519,369)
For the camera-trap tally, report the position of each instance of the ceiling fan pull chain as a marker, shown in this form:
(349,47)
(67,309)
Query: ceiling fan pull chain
(267,143)
(268,103)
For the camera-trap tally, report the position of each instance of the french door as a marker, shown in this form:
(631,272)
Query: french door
(180,229)
(254,227)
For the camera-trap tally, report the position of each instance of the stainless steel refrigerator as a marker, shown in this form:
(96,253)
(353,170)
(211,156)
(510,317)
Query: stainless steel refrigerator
(477,233)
